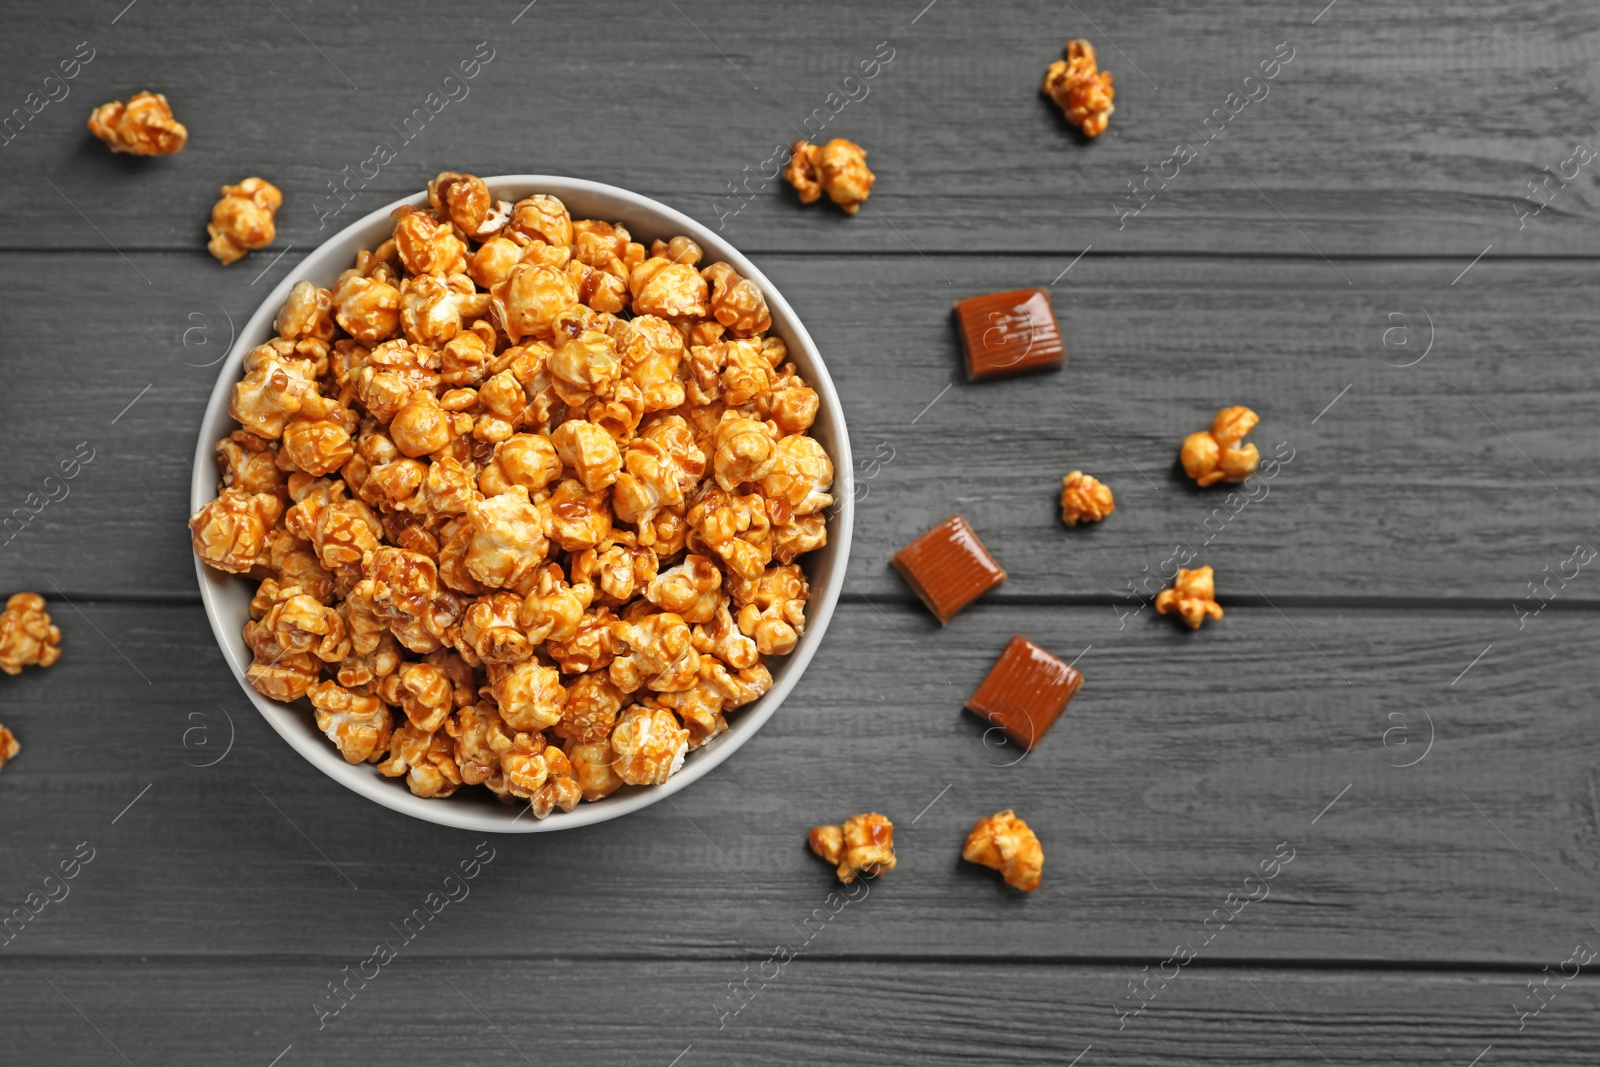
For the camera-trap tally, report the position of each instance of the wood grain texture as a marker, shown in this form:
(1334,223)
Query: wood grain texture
(1184,761)
(1381,696)
(1403,129)
(1408,484)
(497,1011)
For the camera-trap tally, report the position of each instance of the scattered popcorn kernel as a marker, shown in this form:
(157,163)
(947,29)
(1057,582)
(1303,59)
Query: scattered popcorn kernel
(9,747)
(144,126)
(1081,89)
(1215,455)
(243,220)
(838,168)
(864,844)
(1084,498)
(1193,597)
(27,636)
(1005,843)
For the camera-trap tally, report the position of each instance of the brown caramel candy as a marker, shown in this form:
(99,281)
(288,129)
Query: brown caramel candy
(1003,334)
(948,567)
(1026,691)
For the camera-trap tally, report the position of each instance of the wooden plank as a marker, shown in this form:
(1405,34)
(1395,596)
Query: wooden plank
(813,1011)
(1186,760)
(1403,130)
(1408,484)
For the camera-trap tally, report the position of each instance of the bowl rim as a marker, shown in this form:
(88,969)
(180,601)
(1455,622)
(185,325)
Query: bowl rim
(340,248)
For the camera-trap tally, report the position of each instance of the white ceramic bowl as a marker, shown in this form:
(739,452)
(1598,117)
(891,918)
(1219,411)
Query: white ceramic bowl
(227,598)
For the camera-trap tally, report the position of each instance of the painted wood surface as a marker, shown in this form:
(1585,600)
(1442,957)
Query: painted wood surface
(1388,254)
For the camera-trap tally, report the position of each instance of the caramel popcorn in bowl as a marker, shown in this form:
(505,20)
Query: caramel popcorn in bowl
(523,502)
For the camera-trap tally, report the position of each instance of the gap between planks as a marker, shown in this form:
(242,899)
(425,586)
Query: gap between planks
(1464,969)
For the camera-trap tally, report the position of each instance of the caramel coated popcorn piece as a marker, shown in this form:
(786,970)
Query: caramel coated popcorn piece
(359,725)
(649,744)
(243,219)
(27,636)
(144,126)
(1084,498)
(9,747)
(1193,597)
(230,533)
(1004,842)
(1081,89)
(736,302)
(865,843)
(1215,455)
(838,168)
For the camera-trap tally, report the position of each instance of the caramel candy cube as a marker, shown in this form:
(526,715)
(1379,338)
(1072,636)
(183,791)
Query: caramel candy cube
(1026,691)
(1004,334)
(948,567)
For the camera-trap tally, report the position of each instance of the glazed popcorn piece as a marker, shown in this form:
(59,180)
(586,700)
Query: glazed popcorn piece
(359,725)
(650,745)
(230,533)
(948,568)
(307,313)
(1081,89)
(1193,597)
(773,612)
(1005,843)
(1084,498)
(864,844)
(522,501)
(243,219)
(1005,334)
(838,168)
(27,636)
(1025,692)
(1215,455)
(736,302)
(9,747)
(144,126)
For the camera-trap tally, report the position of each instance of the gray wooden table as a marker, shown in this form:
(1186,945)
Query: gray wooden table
(1356,254)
